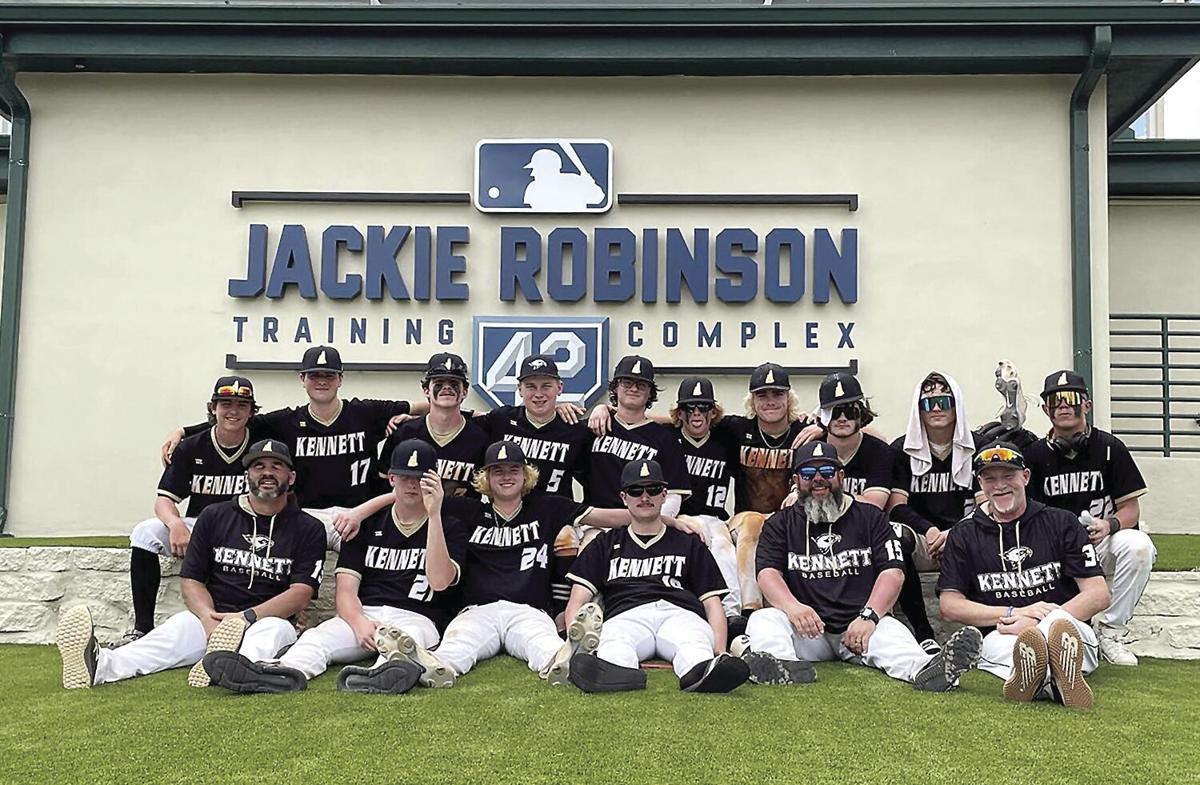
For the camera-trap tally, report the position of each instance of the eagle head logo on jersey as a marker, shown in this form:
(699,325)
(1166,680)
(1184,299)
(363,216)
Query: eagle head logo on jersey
(257,542)
(1016,556)
(826,541)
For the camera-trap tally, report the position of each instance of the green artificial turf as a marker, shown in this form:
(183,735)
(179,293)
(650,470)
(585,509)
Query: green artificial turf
(500,725)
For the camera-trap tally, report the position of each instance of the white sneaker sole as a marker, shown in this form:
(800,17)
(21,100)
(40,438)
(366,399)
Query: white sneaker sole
(434,673)
(583,635)
(226,637)
(74,634)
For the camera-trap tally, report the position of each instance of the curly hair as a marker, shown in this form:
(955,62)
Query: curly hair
(479,480)
(612,393)
(677,415)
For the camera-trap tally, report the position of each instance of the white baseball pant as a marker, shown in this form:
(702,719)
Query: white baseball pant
(333,642)
(152,535)
(483,631)
(997,655)
(180,642)
(891,648)
(720,544)
(1127,557)
(333,540)
(660,629)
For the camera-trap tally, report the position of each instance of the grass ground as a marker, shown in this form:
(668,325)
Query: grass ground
(501,725)
(1175,551)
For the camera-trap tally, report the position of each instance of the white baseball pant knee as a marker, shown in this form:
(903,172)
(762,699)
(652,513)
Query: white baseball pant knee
(1127,558)
(656,629)
(483,631)
(152,535)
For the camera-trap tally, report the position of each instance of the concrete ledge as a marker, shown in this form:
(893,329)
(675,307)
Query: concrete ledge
(36,582)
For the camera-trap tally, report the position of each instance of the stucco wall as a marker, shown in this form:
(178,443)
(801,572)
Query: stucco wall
(130,245)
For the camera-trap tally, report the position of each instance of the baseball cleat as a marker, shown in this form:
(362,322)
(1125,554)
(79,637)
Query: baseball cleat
(723,673)
(76,641)
(739,646)
(1029,660)
(960,654)
(393,677)
(592,674)
(227,636)
(1065,648)
(234,672)
(768,669)
(396,644)
(930,646)
(583,635)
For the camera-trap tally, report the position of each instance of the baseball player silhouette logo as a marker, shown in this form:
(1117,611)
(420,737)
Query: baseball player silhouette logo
(543,175)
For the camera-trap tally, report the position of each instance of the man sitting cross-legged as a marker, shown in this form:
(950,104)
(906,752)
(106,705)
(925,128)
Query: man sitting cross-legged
(831,567)
(392,574)
(251,563)
(660,587)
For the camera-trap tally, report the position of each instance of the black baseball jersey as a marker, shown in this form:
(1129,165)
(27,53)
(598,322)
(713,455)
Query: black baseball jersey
(870,468)
(710,465)
(632,570)
(558,450)
(1096,479)
(646,441)
(933,498)
(1035,558)
(333,459)
(763,475)
(511,558)
(391,564)
(831,567)
(245,559)
(457,457)
(204,472)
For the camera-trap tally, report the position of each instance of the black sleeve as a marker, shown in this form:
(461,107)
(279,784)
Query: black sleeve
(176,481)
(353,556)
(728,428)
(590,568)
(1079,556)
(901,469)
(881,468)
(772,545)
(704,578)
(885,546)
(903,513)
(560,512)
(955,563)
(382,411)
(1033,461)
(384,461)
(197,560)
(310,555)
(670,458)
(1124,478)
(455,532)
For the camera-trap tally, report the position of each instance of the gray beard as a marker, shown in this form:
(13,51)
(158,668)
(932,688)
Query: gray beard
(826,510)
(267,496)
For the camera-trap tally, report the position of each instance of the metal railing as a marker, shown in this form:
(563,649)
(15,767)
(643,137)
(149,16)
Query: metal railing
(1156,381)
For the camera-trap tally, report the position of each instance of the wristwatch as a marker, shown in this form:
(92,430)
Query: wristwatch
(869,614)
(250,615)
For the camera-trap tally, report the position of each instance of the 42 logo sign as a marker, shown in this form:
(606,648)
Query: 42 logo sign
(579,346)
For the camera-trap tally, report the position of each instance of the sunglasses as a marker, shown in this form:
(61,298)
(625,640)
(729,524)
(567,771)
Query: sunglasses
(808,473)
(851,411)
(998,455)
(943,402)
(703,408)
(637,490)
(237,392)
(1068,397)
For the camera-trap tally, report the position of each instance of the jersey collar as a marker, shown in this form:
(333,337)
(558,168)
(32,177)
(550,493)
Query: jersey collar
(332,419)
(229,458)
(653,538)
(407,528)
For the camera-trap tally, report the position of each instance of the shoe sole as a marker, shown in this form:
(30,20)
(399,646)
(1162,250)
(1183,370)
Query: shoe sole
(73,637)
(583,635)
(959,655)
(765,669)
(226,637)
(1066,665)
(378,681)
(591,674)
(233,672)
(434,673)
(1030,658)
(727,674)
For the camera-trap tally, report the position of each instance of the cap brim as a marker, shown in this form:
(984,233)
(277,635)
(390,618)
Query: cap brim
(321,368)
(553,376)
(696,400)
(771,387)
(818,460)
(249,460)
(407,472)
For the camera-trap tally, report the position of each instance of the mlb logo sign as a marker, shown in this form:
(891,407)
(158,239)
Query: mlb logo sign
(543,176)
(579,347)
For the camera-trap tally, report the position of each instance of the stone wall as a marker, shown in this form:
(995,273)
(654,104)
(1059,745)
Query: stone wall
(36,582)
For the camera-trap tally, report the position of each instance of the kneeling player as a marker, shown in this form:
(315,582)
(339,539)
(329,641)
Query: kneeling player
(831,567)
(391,575)
(251,563)
(1026,573)
(660,588)
(506,577)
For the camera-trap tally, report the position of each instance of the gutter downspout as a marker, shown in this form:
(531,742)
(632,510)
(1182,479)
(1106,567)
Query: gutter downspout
(10,286)
(1081,203)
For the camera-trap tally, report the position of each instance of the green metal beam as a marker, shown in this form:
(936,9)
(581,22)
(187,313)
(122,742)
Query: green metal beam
(1152,168)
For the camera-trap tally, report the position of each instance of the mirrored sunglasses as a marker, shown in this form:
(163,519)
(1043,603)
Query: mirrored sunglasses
(637,490)
(236,392)
(998,455)
(808,473)
(943,402)
(1068,397)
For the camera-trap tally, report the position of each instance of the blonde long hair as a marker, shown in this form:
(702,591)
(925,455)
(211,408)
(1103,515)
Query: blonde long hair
(794,410)
(479,480)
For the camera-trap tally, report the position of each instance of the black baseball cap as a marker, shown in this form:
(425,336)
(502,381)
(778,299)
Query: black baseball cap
(268,448)
(446,365)
(412,458)
(769,376)
(634,366)
(815,452)
(321,358)
(696,389)
(1064,381)
(641,473)
(839,387)
(999,454)
(233,388)
(503,452)
(538,365)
